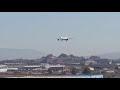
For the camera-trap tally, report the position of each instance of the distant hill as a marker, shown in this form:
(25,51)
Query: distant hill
(114,55)
(8,54)
(51,59)
(61,59)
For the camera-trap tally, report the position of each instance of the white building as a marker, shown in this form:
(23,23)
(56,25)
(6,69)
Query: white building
(92,69)
(12,69)
(110,71)
(3,68)
(46,65)
(118,64)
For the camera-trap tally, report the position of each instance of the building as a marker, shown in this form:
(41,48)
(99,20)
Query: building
(91,68)
(92,76)
(3,68)
(12,69)
(76,76)
(46,65)
(29,67)
(90,62)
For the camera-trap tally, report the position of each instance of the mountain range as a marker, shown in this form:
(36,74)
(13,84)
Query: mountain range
(112,55)
(8,54)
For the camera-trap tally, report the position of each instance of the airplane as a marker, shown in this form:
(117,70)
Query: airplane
(63,38)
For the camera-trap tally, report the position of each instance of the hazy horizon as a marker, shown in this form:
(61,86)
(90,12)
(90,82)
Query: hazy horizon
(94,33)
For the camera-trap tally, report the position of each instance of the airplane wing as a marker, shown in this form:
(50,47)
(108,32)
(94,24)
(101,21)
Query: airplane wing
(71,38)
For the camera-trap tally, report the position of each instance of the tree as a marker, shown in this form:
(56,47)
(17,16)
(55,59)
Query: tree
(94,57)
(63,72)
(86,71)
(73,71)
(49,71)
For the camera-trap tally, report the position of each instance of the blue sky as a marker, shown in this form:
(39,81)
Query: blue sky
(93,32)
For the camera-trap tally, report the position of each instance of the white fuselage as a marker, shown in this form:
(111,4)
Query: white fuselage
(63,38)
